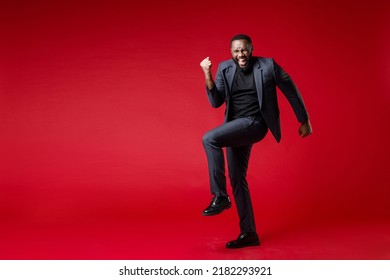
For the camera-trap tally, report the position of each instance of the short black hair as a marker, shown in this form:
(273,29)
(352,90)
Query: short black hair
(241,37)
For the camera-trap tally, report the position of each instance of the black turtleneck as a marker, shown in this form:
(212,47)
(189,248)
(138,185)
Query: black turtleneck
(244,101)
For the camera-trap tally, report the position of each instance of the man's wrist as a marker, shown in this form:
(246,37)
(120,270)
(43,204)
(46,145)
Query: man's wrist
(207,75)
(305,122)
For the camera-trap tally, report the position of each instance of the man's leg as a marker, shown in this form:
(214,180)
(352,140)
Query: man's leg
(236,133)
(238,159)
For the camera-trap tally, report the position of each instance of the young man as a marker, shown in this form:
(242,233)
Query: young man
(247,85)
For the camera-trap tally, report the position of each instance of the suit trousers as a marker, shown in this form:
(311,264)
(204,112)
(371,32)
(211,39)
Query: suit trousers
(238,136)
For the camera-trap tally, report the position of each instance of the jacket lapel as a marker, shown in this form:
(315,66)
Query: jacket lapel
(231,69)
(258,73)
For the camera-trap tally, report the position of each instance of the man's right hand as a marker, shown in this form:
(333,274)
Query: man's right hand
(206,65)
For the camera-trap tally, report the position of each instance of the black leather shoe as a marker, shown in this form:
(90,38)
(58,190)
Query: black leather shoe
(217,205)
(244,240)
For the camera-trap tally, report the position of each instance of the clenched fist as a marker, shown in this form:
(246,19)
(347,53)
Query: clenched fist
(206,65)
(305,129)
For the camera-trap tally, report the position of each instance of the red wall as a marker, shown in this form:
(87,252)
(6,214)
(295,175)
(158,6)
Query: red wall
(103,105)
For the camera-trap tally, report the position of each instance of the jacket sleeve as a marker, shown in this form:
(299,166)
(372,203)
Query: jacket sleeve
(288,88)
(217,94)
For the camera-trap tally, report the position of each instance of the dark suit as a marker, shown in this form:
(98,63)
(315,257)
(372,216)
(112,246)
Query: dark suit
(239,135)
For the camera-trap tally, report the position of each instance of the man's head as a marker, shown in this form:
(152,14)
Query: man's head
(241,49)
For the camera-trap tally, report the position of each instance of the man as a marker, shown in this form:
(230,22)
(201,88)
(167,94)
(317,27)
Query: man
(247,85)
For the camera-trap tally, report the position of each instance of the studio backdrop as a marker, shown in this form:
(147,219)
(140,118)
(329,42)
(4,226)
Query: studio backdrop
(103,108)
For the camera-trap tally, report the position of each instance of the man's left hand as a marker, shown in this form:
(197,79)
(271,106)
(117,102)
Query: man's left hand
(305,129)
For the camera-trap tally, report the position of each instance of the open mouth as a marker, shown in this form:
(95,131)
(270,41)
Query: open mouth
(242,61)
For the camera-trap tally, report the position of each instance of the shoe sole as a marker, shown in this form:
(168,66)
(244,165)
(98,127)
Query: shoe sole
(257,243)
(216,213)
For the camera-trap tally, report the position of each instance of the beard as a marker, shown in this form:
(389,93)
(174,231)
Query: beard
(247,67)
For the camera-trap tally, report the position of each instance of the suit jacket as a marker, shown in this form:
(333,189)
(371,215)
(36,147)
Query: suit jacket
(268,75)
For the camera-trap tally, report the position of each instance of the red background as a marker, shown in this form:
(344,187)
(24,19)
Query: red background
(103,107)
